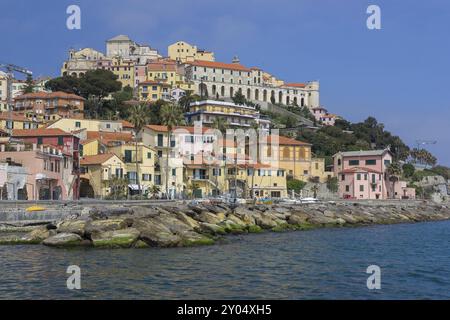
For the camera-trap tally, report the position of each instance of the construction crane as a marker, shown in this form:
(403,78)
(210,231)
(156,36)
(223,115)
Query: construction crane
(10,69)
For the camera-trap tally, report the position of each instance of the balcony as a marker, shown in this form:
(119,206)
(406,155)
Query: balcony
(200,177)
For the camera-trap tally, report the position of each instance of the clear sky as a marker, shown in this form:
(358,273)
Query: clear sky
(399,74)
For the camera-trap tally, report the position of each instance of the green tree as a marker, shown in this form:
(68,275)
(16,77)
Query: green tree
(139,118)
(394,171)
(296,185)
(332,184)
(239,98)
(187,99)
(408,170)
(221,124)
(171,116)
(29,84)
(155,190)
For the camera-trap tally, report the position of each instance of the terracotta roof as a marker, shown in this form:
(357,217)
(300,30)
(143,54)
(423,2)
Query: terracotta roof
(14,116)
(287,141)
(97,159)
(49,95)
(360,169)
(84,142)
(127,124)
(154,83)
(295,85)
(161,66)
(160,128)
(106,137)
(41,132)
(219,65)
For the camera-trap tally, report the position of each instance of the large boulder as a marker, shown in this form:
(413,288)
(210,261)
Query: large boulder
(187,220)
(63,240)
(212,228)
(297,218)
(124,238)
(156,234)
(99,226)
(72,226)
(191,238)
(38,235)
(172,223)
(209,217)
(266,221)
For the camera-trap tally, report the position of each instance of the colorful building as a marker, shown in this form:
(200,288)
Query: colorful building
(364,175)
(182,51)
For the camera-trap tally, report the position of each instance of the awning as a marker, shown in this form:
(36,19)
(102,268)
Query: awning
(135,187)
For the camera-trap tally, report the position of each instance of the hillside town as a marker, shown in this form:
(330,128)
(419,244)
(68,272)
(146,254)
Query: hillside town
(132,123)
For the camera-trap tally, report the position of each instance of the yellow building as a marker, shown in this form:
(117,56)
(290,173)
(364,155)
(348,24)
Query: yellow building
(153,91)
(184,52)
(318,170)
(97,172)
(292,155)
(146,157)
(14,120)
(69,125)
(164,71)
(90,147)
(124,69)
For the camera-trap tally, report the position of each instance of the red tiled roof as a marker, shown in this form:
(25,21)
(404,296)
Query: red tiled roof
(127,124)
(295,85)
(13,116)
(160,128)
(96,159)
(41,132)
(49,95)
(106,137)
(360,169)
(287,141)
(219,65)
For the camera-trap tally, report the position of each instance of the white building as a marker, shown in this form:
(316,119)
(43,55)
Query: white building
(237,116)
(126,48)
(223,80)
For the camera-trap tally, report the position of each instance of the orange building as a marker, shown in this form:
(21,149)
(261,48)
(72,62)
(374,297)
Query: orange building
(66,105)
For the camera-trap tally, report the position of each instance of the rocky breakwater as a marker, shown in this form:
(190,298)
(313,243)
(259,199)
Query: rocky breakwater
(186,225)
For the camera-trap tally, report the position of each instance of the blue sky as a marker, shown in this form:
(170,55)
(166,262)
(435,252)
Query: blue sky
(399,74)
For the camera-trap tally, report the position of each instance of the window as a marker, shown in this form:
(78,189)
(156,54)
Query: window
(146,177)
(128,156)
(343,177)
(280,173)
(305,172)
(60,141)
(160,140)
(358,176)
(149,155)
(365,176)
(132,177)
(78,124)
(174,172)
(119,172)
(387,162)
(347,188)
(361,188)
(353,162)
(39,140)
(371,162)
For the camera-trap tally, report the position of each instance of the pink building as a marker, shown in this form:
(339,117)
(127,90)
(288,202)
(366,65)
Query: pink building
(59,140)
(328,119)
(49,174)
(363,175)
(318,112)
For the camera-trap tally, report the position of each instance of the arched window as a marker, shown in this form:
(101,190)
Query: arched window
(249,93)
(231,92)
(288,100)
(265,95)
(302,102)
(256,94)
(280,97)
(214,89)
(222,91)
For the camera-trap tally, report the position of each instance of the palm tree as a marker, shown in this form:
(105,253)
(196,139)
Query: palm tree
(394,171)
(186,100)
(155,190)
(171,116)
(221,124)
(139,117)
